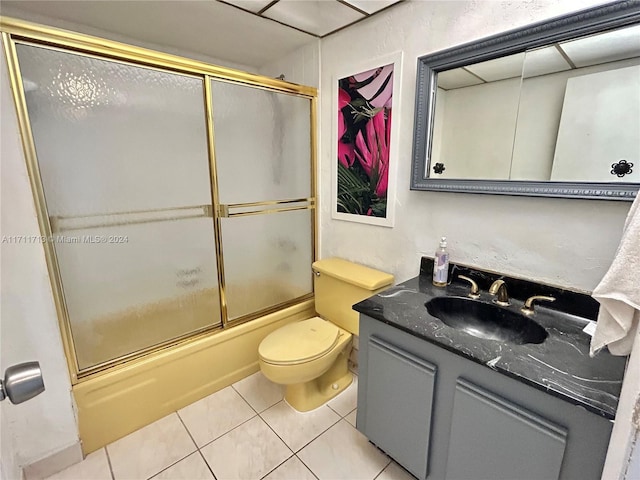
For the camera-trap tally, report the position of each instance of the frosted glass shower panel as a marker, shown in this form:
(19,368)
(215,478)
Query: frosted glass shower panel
(113,137)
(267,260)
(263,144)
(123,157)
(151,283)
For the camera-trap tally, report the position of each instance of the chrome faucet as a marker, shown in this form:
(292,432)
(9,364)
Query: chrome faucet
(499,288)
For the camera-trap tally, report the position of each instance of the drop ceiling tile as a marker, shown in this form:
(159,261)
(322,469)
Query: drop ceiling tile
(605,47)
(371,6)
(499,68)
(456,78)
(252,5)
(316,17)
(544,61)
(215,29)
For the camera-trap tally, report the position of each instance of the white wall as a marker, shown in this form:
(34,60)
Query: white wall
(559,241)
(301,66)
(633,470)
(541,106)
(478,129)
(28,326)
(9,468)
(600,125)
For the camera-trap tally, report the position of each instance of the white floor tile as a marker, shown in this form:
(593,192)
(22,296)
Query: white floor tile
(292,469)
(247,452)
(151,449)
(95,467)
(395,472)
(347,400)
(351,418)
(343,453)
(215,415)
(295,428)
(191,468)
(259,391)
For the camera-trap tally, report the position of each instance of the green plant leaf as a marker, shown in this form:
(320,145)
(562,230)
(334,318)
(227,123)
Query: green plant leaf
(353,192)
(379,209)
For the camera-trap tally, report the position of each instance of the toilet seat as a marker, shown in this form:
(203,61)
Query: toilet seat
(299,342)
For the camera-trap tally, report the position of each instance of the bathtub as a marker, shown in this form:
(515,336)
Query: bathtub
(125,398)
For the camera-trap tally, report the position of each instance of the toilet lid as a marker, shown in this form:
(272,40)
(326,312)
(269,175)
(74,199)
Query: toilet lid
(299,341)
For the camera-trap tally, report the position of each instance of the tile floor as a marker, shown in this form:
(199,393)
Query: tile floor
(244,432)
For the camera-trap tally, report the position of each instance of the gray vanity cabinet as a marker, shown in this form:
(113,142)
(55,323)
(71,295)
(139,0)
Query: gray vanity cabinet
(495,439)
(444,417)
(400,397)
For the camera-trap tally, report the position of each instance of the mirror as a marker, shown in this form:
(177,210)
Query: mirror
(552,109)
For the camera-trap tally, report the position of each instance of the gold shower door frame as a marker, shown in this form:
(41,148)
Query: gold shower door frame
(18,31)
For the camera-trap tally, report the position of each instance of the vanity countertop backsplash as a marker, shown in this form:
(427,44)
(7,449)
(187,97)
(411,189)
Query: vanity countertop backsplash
(560,365)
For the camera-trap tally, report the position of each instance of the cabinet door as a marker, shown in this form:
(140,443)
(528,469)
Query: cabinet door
(399,400)
(492,438)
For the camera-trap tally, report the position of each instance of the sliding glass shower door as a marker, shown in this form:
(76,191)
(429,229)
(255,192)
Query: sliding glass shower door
(179,196)
(263,158)
(124,163)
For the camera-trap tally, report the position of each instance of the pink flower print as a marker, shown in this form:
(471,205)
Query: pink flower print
(346,154)
(343,101)
(343,98)
(345,150)
(373,152)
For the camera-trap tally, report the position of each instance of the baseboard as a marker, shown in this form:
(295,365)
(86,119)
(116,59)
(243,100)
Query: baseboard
(54,463)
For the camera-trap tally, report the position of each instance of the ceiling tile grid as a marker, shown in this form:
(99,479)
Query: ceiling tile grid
(316,17)
(610,46)
(254,6)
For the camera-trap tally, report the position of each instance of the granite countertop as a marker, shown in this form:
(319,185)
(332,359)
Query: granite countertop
(560,365)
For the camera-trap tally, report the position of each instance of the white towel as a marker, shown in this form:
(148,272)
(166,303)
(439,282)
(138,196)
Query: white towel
(619,292)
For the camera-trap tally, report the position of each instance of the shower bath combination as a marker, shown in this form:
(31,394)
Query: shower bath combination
(174,237)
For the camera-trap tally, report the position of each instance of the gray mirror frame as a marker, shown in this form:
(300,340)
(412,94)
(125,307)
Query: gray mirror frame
(558,29)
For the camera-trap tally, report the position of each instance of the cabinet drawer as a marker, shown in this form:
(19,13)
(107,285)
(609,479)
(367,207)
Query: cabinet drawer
(399,401)
(492,438)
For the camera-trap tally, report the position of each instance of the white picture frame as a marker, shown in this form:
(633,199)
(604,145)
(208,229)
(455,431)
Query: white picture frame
(394,59)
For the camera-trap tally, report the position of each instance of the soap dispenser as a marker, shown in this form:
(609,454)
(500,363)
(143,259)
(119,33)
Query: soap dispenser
(441,265)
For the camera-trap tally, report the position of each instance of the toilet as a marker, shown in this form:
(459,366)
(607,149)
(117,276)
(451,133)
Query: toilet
(310,357)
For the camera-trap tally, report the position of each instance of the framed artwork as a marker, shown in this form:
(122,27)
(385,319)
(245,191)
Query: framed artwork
(365,153)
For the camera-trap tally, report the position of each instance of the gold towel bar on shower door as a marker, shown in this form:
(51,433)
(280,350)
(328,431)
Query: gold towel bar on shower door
(102,220)
(270,206)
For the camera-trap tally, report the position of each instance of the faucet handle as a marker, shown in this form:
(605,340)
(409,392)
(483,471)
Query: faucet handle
(527,309)
(475,291)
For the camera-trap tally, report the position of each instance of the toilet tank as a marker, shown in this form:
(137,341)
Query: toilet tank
(339,284)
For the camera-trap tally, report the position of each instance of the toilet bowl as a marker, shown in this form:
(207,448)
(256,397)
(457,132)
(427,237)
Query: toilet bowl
(311,357)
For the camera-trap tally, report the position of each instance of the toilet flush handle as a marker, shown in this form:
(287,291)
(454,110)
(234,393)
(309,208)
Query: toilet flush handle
(316,273)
